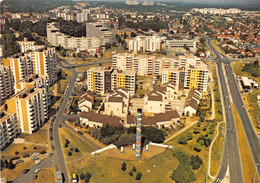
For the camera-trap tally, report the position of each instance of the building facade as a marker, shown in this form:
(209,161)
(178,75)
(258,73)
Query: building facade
(6,83)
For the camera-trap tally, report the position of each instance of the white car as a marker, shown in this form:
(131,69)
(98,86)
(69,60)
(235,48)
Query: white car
(37,162)
(37,170)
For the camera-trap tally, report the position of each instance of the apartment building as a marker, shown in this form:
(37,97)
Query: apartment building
(187,73)
(31,108)
(26,46)
(124,79)
(56,38)
(99,29)
(9,128)
(6,83)
(81,17)
(21,66)
(143,65)
(99,79)
(142,44)
(175,43)
(41,62)
(44,63)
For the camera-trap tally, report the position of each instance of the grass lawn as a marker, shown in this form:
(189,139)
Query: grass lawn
(203,154)
(47,175)
(216,151)
(75,142)
(106,169)
(9,151)
(12,174)
(247,160)
(38,137)
(68,73)
(146,86)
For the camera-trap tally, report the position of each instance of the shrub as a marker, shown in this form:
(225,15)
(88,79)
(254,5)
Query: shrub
(123,167)
(198,147)
(134,169)
(16,153)
(138,176)
(82,176)
(131,173)
(71,149)
(66,145)
(69,153)
(76,150)
(11,165)
(24,147)
(87,177)
(34,147)
(196,161)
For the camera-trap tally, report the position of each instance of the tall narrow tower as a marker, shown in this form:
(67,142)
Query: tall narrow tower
(138,133)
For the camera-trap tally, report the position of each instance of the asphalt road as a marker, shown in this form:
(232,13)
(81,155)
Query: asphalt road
(230,155)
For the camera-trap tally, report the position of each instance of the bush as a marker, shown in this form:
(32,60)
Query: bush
(24,147)
(34,147)
(82,176)
(71,149)
(123,167)
(69,153)
(131,173)
(198,147)
(11,165)
(182,174)
(16,153)
(134,169)
(196,161)
(87,177)
(138,176)
(66,145)
(76,150)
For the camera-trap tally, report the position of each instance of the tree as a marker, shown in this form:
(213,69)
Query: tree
(82,176)
(196,130)
(131,173)
(202,118)
(76,149)
(134,169)
(66,145)
(138,176)
(123,167)
(198,147)
(11,165)
(24,147)
(69,153)
(34,147)
(6,163)
(16,153)
(87,177)
(133,34)
(196,161)
(182,140)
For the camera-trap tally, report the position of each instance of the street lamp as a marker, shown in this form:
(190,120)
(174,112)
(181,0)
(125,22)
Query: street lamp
(255,171)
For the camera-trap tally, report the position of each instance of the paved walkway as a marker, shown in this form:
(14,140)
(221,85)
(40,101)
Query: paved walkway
(210,148)
(179,132)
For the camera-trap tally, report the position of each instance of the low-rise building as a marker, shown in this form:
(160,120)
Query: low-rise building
(192,102)
(175,43)
(86,101)
(117,103)
(26,46)
(97,120)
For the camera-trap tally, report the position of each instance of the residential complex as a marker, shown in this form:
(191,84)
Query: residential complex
(9,128)
(102,80)
(96,37)
(41,62)
(26,46)
(175,43)
(31,107)
(142,44)
(6,83)
(99,79)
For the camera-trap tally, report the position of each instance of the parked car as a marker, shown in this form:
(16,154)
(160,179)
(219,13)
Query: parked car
(35,177)
(37,170)
(51,137)
(35,158)
(52,147)
(50,154)
(43,152)
(26,156)
(79,132)
(35,154)
(37,162)
(19,161)
(26,170)
(15,158)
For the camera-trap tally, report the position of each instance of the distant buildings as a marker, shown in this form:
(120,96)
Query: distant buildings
(142,44)
(96,37)
(148,3)
(26,46)
(215,11)
(180,43)
(134,2)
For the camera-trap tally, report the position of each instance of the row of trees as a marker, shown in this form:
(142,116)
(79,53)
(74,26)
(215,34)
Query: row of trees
(110,134)
(131,173)
(7,164)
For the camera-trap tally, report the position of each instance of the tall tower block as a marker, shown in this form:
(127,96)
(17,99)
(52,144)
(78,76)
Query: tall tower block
(138,133)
